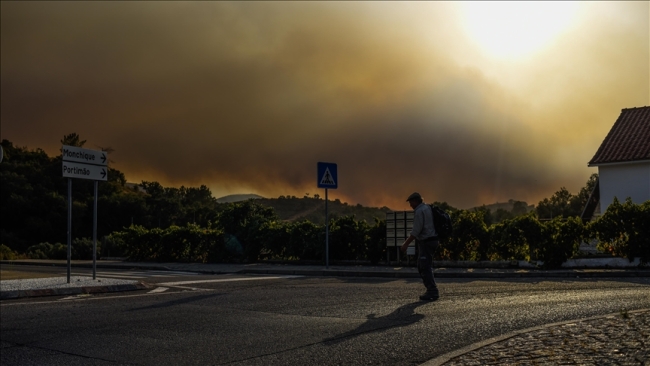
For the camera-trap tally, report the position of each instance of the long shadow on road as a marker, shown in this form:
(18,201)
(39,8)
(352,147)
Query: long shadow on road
(402,317)
(178,302)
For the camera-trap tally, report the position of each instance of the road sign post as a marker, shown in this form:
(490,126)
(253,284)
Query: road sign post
(83,164)
(69,255)
(327,178)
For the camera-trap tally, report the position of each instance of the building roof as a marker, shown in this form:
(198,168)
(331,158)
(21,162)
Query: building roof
(628,140)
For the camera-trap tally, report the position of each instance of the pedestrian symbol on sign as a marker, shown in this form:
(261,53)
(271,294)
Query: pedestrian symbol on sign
(327,178)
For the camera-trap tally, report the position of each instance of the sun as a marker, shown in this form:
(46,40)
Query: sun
(515,29)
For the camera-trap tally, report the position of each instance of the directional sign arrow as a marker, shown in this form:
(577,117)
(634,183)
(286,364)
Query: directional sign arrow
(76,154)
(84,171)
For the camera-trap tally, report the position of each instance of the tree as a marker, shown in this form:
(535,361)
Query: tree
(72,140)
(564,204)
(579,201)
(469,240)
(244,222)
(519,208)
(624,231)
(164,204)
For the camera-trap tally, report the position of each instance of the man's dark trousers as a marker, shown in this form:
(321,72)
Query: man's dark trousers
(426,249)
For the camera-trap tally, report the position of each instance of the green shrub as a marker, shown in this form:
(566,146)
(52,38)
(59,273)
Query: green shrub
(520,238)
(82,248)
(276,238)
(562,239)
(469,240)
(6,253)
(113,246)
(60,251)
(376,241)
(623,230)
(40,251)
(189,243)
(246,221)
(347,238)
(306,241)
(508,241)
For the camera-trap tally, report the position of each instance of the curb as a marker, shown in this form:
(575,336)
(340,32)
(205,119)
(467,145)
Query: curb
(442,359)
(72,291)
(88,265)
(522,273)
(344,273)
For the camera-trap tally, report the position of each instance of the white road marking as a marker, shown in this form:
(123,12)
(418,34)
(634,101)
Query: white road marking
(158,289)
(226,280)
(111,275)
(93,298)
(175,272)
(76,297)
(191,288)
(138,274)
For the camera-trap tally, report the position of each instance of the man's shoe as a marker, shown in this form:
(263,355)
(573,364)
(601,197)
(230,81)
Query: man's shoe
(429,297)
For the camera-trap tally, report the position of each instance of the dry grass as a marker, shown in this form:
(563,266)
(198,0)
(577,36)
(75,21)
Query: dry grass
(20,275)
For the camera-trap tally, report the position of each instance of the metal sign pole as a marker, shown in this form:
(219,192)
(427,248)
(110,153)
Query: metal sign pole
(69,225)
(327,178)
(95,235)
(327,235)
(83,164)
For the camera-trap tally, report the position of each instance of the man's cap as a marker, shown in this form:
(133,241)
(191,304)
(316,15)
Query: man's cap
(414,196)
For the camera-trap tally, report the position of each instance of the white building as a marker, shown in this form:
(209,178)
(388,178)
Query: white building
(623,159)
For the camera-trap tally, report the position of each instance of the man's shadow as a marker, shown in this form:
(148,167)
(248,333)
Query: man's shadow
(401,317)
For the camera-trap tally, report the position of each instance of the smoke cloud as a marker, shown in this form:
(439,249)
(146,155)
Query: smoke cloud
(247,97)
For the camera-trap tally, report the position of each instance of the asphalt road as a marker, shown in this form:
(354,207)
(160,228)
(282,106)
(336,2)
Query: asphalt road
(10,272)
(246,320)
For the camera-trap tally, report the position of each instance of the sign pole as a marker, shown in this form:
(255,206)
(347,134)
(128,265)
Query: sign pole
(327,178)
(95,234)
(83,164)
(69,225)
(327,235)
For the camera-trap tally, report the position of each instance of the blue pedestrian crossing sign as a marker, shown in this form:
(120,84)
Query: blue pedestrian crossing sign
(327,176)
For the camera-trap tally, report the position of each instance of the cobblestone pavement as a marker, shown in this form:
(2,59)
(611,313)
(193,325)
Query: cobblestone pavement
(622,339)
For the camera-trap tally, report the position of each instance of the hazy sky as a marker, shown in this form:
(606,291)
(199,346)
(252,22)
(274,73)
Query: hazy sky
(468,103)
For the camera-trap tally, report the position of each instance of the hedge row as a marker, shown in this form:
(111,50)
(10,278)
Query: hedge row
(349,240)
(248,231)
(81,248)
(621,231)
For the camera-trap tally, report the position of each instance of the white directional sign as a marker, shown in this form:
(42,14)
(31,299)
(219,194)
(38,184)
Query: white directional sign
(85,156)
(84,163)
(84,171)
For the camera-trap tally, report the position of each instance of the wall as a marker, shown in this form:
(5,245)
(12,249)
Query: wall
(622,181)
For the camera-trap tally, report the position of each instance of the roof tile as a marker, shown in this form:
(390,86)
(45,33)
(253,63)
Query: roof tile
(628,140)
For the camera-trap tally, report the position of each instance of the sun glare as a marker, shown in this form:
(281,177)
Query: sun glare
(514,29)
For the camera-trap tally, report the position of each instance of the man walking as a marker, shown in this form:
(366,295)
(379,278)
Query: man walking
(426,242)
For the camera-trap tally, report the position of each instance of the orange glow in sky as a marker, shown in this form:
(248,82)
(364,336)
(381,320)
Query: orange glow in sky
(465,102)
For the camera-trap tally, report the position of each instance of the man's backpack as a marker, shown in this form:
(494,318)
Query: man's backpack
(441,222)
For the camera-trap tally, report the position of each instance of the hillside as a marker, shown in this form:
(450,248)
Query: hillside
(313,209)
(237,198)
(508,206)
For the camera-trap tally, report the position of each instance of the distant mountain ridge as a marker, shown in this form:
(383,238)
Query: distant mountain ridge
(238,197)
(508,206)
(292,208)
